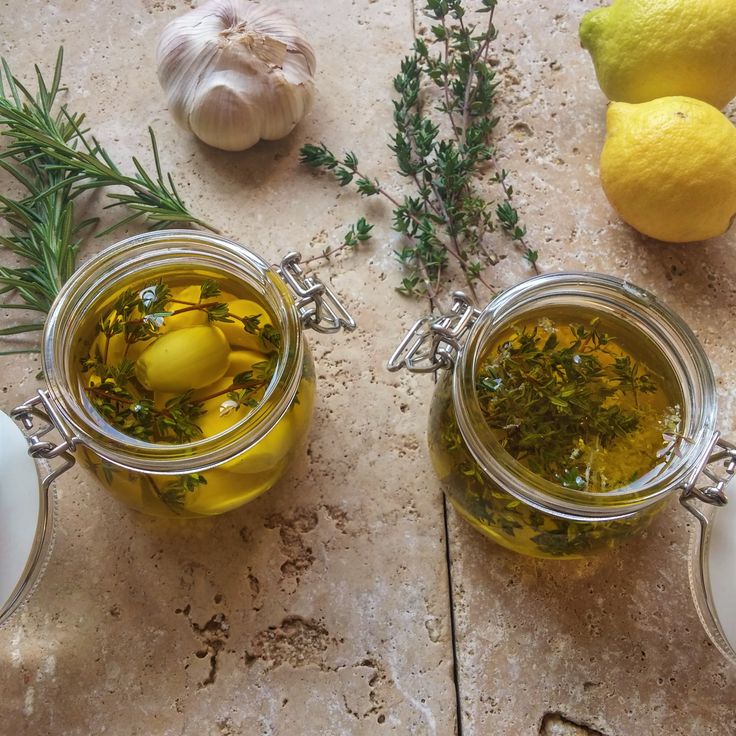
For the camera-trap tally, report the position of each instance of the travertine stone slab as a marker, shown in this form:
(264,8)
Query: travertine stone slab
(323,607)
(613,643)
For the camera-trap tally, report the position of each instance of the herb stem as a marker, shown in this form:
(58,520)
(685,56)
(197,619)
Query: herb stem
(444,218)
(255,384)
(446,80)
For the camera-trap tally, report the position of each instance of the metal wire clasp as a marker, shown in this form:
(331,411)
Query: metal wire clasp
(719,467)
(433,342)
(319,307)
(41,407)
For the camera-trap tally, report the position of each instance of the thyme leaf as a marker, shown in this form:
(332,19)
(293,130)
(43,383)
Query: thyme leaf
(554,404)
(125,404)
(442,151)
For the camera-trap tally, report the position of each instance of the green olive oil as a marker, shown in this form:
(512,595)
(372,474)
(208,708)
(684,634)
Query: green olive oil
(175,358)
(589,405)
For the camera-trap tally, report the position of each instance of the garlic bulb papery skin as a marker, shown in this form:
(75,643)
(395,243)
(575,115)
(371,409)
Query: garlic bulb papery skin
(235,72)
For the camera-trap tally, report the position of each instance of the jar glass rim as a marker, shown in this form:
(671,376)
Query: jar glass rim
(671,336)
(139,254)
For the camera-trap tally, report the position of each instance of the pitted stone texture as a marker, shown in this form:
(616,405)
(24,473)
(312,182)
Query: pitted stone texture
(553,724)
(613,643)
(322,608)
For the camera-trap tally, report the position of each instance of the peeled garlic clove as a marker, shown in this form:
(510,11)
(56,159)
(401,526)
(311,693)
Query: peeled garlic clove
(220,414)
(212,388)
(235,331)
(269,452)
(243,360)
(184,359)
(235,72)
(184,319)
(301,409)
(114,349)
(160,399)
(225,491)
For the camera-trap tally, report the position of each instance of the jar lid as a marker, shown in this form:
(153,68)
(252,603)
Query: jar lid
(722,569)
(25,519)
(713,575)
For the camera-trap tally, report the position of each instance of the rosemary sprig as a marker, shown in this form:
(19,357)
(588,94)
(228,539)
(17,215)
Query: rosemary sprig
(58,141)
(54,160)
(444,219)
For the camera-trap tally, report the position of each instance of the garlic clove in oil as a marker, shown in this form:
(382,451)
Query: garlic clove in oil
(235,72)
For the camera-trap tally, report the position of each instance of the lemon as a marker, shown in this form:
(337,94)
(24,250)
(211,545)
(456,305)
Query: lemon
(644,49)
(667,167)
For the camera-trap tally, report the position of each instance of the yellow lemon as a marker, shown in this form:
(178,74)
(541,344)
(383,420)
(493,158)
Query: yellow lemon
(644,49)
(667,167)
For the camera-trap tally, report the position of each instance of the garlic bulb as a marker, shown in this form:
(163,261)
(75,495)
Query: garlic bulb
(235,72)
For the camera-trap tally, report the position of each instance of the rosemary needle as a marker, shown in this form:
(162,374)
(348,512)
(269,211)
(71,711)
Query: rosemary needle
(54,160)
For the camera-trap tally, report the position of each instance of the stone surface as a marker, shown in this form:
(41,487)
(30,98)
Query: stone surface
(323,607)
(613,643)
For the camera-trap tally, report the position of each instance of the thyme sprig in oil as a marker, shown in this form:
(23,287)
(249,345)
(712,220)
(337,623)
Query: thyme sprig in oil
(138,315)
(561,399)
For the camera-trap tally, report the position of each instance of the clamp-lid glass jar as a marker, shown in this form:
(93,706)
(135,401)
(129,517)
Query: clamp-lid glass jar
(506,497)
(176,372)
(607,346)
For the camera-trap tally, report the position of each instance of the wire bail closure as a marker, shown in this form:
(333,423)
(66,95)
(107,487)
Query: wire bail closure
(718,466)
(42,407)
(319,307)
(433,342)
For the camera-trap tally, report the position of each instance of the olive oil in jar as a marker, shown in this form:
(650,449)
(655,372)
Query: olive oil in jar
(181,357)
(575,406)
(588,405)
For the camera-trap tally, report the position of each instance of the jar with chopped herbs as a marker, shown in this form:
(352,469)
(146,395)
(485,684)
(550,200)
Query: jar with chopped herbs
(178,373)
(566,412)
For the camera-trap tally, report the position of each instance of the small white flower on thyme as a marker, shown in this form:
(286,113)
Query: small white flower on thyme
(228,407)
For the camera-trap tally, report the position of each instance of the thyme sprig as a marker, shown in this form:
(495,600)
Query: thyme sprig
(117,398)
(54,160)
(116,393)
(554,405)
(444,218)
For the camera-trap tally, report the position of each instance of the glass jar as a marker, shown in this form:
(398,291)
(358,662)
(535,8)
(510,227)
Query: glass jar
(212,473)
(496,493)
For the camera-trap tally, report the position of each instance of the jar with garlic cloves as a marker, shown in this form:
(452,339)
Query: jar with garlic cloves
(177,373)
(567,412)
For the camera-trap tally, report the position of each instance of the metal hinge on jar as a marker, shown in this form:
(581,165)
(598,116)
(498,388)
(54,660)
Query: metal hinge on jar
(433,342)
(319,307)
(718,467)
(41,407)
